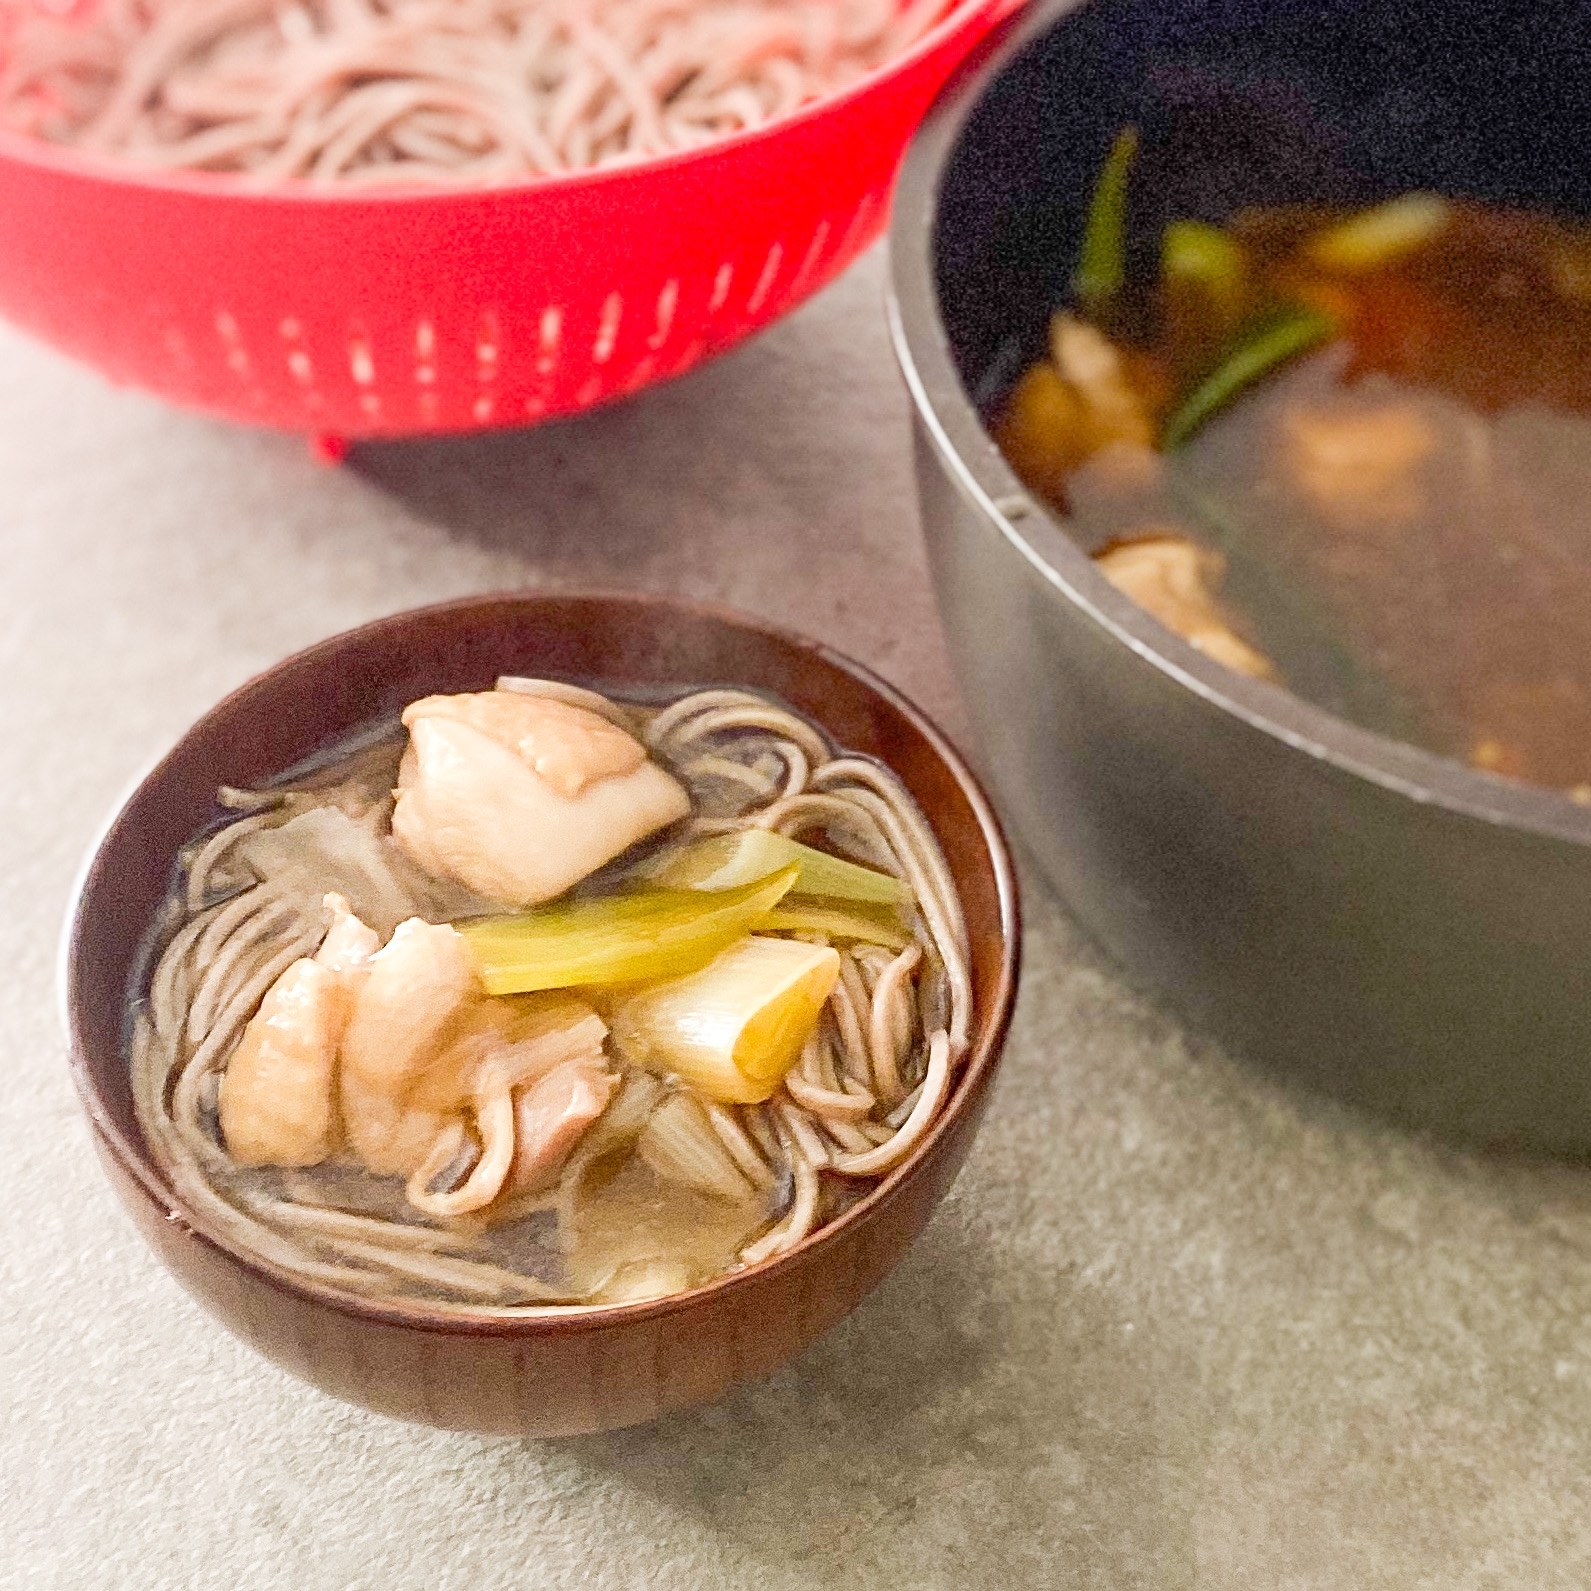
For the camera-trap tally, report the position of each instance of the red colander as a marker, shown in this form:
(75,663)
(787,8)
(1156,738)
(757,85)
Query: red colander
(353,314)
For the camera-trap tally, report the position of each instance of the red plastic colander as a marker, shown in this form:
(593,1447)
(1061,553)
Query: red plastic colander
(377,314)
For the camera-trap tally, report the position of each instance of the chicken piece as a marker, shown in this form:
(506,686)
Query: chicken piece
(418,991)
(518,797)
(1040,431)
(544,1034)
(427,1052)
(568,745)
(502,1043)
(451,1075)
(443,1085)
(550,1118)
(278,1104)
(1097,372)
(1173,578)
(1359,467)
(349,944)
(278,1091)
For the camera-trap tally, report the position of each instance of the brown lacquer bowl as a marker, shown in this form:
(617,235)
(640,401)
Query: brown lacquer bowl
(553,1373)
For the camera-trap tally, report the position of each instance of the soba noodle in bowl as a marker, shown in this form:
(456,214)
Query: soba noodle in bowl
(550,998)
(429,91)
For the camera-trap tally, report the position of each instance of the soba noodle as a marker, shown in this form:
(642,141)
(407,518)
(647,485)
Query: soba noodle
(871,1076)
(428,91)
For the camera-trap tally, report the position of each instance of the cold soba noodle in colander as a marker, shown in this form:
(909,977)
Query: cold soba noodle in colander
(547,998)
(449,91)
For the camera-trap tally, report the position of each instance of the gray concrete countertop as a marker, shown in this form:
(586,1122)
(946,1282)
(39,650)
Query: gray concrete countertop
(1175,1327)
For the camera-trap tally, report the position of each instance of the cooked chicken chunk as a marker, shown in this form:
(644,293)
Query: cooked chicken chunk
(568,745)
(422,1064)
(1173,579)
(418,988)
(522,1092)
(434,1074)
(278,1091)
(1359,466)
(490,1048)
(278,1094)
(1095,368)
(349,944)
(518,797)
(550,1116)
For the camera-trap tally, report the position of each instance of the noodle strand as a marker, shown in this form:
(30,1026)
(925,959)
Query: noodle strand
(433,91)
(871,1079)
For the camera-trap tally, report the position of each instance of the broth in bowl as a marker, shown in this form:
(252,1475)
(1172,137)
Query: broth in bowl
(1346,449)
(547,997)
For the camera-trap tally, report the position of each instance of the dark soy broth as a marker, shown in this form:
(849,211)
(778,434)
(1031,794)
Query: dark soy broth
(1397,512)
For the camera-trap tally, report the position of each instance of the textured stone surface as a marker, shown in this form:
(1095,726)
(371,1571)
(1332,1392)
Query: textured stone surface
(1175,1327)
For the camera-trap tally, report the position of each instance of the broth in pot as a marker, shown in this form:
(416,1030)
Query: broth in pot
(1346,450)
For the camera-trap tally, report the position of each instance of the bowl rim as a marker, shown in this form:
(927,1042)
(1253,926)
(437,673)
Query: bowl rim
(22,149)
(982,1059)
(949,419)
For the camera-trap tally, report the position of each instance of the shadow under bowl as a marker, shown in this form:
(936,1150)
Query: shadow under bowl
(1384,925)
(557,1372)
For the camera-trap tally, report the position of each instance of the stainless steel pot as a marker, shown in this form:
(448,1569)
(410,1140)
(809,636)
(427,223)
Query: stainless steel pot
(1379,922)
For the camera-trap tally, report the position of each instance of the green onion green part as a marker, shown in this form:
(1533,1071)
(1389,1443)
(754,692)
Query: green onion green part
(656,933)
(872,927)
(1102,262)
(726,861)
(1258,351)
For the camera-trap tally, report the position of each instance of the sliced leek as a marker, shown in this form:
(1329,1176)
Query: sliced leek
(733,1029)
(1196,251)
(657,933)
(726,861)
(1380,236)
(803,917)
(680,1145)
(1199,259)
